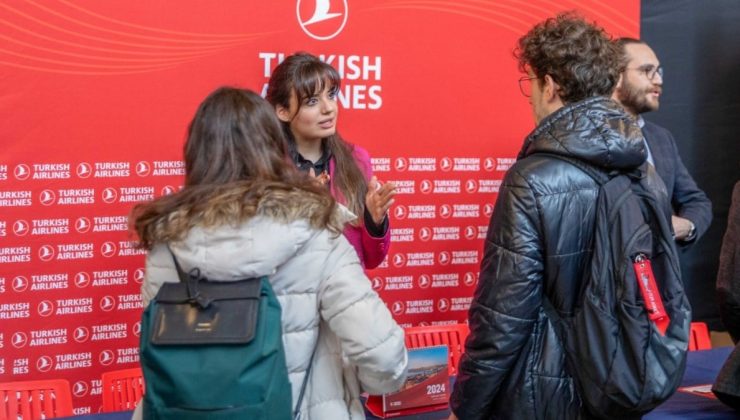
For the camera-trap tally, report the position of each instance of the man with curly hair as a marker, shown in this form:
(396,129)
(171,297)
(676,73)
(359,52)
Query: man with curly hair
(540,233)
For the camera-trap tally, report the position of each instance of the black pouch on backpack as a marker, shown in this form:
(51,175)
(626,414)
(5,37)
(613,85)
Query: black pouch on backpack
(196,311)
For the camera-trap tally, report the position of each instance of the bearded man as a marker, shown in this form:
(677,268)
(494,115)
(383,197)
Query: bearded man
(639,91)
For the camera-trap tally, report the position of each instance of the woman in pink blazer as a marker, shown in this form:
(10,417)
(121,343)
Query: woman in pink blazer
(303,90)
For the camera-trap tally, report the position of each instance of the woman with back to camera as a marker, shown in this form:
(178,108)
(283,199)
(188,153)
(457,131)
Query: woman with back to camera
(303,90)
(245,211)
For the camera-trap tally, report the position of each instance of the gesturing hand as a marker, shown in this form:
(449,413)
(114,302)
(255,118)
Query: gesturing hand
(379,199)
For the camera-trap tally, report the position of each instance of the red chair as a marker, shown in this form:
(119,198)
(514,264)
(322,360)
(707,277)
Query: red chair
(699,337)
(122,389)
(453,336)
(31,400)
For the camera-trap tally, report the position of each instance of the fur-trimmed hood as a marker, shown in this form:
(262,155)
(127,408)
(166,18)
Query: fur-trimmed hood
(217,238)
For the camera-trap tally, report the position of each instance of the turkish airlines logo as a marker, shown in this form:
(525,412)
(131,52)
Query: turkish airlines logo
(425,234)
(82,224)
(444,258)
(445,211)
(20,284)
(426,186)
(320,19)
(22,172)
(445,164)
(80,388)
(47,197)
(81,334)
(401,164)
(139,275)
(471,232)
(108,249)
(398,308)
(471,186)
(44,363)
(137,328)
(84,170)
(82,279)
(20,227)
(45,308)
(399,260)
(110,195)
(106,357)
(46,253)
(143,168)
(469,279)
(489,164)
(400,212)
(107,303)
(377,283)
(488,209)
(19,340)
(168,189)
(443,305)
(424,281)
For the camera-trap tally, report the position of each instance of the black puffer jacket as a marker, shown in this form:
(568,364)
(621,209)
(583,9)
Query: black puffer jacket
(538,242)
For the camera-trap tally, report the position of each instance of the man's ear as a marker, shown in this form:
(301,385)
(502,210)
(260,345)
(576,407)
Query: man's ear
(551,89)
(283,113)
(618,86)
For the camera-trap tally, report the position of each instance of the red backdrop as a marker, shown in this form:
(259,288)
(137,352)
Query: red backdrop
(95,98)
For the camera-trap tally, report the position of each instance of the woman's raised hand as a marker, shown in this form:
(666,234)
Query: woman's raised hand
(379,199)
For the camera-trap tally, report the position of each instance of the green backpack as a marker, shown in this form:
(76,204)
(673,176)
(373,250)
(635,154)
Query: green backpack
(214,350)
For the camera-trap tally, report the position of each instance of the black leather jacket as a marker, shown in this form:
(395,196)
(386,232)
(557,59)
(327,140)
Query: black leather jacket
(537,245)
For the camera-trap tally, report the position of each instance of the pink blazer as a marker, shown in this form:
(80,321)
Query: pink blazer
(371,250)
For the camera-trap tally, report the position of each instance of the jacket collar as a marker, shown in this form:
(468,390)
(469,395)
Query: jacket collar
(596,130)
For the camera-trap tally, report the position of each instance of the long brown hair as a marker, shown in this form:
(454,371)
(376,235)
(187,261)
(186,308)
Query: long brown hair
(304,75)
(235,156)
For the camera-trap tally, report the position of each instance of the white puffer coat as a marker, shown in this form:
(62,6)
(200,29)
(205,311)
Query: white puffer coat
(324,295)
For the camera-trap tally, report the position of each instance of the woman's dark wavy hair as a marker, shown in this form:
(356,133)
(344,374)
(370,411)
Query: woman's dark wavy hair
(305,75)
(579,56)
(235,154)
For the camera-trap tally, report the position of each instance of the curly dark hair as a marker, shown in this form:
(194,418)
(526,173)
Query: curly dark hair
(580,56)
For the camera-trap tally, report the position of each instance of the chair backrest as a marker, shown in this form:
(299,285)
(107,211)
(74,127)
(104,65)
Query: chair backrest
(31,400)
(122,389)
(699,338)
(453,336)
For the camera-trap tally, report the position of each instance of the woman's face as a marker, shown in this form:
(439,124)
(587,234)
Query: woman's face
(313,119)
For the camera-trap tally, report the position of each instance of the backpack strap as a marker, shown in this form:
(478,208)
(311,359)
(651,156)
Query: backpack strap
(297,410)
(191,279)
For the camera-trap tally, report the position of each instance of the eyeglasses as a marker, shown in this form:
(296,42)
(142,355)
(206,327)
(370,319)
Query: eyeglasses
(525,85)
(649,71)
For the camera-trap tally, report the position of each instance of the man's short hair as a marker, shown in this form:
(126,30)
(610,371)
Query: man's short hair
(579,56)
